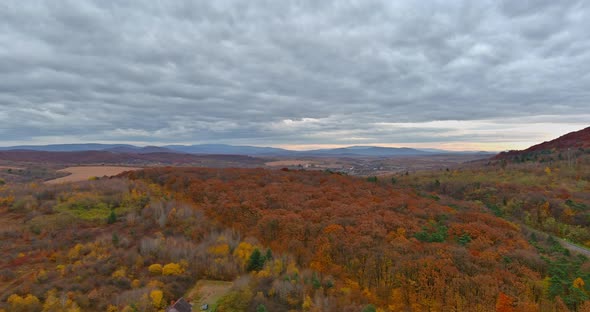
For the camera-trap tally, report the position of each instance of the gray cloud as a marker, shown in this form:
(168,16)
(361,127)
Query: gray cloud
(291,72)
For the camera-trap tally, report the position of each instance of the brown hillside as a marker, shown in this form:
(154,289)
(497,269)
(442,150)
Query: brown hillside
(572,140)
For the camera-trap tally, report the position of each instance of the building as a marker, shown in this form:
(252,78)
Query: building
(180,305)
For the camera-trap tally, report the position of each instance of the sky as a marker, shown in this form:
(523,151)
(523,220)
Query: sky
(459,75)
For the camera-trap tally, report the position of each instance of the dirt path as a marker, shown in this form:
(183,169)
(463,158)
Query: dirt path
(573,247)
(570,246)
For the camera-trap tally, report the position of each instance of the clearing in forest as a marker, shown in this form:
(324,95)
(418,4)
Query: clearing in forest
(83,173)
(207,292)
(11,167)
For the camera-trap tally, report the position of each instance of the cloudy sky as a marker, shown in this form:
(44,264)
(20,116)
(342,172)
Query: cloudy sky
(486,75)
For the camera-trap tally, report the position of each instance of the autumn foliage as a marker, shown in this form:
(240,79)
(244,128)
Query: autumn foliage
(385,245)
(286,240)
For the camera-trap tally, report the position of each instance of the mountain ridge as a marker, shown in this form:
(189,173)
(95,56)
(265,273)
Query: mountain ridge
(225,149)
(573,140)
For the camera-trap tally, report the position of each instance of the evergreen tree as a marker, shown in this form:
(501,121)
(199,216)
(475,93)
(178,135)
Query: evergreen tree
(256,261)
(115,239)
(369,308)
(112,217)
(315,281)
(261,308)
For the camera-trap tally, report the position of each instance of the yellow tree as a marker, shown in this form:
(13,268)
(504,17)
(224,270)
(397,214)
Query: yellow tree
(28,303)
(155,268)
(157,296)
(172,269)
(243,253)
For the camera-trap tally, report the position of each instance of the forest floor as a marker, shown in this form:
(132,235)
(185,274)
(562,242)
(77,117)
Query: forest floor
(208,292)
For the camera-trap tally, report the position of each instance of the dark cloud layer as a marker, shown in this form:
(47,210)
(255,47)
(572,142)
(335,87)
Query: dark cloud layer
(293,72)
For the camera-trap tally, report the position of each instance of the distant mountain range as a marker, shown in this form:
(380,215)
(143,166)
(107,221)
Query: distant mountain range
(224,149)
(573,140)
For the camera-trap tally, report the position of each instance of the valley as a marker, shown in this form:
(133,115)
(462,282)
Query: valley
(294,156)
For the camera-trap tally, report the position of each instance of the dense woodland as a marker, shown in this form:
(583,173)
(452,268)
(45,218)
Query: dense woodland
(290,240)
(547,191)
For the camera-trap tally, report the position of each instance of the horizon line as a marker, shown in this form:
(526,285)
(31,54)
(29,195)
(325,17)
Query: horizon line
(287,147)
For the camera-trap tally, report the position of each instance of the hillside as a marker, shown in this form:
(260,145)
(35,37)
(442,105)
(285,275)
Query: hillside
(403,249)
(573,143)
(106,157)
(139,150)
(288,240)
(66,147)
(367,151)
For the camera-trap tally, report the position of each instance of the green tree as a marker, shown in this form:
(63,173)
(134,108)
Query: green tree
(436,232)
(112,217)
(256,261)
(369,308)
(315,281)
(261,308)
(115,239)
(464,239)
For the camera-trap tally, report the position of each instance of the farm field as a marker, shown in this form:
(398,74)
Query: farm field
(83,173)
(10,167)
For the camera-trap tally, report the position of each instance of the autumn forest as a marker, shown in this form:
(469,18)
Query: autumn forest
(493,236)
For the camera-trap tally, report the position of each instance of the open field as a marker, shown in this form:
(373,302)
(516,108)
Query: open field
(207,292)
(10,167)
(364,166)
(83,173)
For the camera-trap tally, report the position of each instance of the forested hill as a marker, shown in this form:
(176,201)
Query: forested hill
(573,143)
(108,157)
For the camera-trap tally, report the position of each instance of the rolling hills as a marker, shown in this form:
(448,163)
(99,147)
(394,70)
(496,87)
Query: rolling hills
(224,149)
